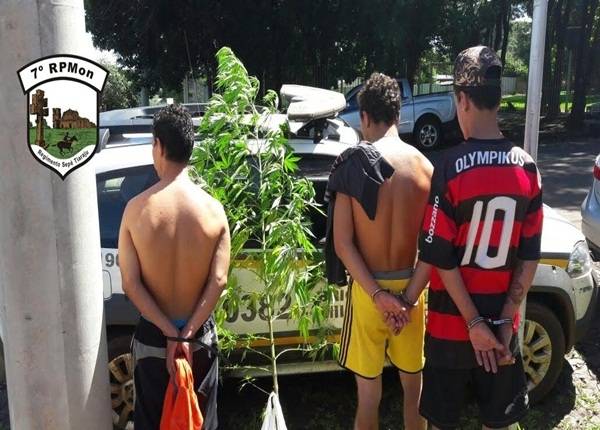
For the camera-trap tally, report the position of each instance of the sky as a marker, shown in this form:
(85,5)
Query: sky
(80,98)
(99,54)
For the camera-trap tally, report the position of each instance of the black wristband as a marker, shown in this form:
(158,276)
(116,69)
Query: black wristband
(405,300)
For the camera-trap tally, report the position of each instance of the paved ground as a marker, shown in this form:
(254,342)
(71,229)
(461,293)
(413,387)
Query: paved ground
(567,175)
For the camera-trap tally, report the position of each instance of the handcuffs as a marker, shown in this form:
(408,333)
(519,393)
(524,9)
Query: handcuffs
(400,296)
(490,321)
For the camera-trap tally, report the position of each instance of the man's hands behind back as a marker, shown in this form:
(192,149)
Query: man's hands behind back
(394,312)
(489,351)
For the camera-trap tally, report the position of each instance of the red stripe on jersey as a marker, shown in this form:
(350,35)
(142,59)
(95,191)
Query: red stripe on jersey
(443,226)
(463,233)
(447,327)
(477,281)
(532,225)
(480,181)
(435,282)
(481,281)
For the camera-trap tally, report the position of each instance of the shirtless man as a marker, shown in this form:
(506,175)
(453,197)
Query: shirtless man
(379,207)
(174,259)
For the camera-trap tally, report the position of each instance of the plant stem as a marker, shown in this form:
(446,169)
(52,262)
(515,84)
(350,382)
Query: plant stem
(268,298)
(273,355)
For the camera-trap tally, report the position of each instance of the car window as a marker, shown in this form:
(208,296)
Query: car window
(352,102)
(316,168)
(114,190)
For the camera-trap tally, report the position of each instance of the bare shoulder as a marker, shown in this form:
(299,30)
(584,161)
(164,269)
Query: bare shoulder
(135,205)
(408,161)
(208,207)
(420,161)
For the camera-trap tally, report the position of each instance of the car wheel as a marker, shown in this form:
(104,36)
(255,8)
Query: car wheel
(122,392)
(543,350)
(428,133)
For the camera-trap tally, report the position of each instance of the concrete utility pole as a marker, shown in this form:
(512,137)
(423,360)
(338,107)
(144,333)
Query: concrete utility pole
(534,98)
(536,72)
(50,269)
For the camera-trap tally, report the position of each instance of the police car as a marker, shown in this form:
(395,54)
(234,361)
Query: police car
(559,305)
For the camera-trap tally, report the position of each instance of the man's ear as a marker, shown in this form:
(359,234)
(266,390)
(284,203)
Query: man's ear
(462,101)
(160,146)
(366,118)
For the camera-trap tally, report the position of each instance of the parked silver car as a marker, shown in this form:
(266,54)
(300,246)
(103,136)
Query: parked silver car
(590,213)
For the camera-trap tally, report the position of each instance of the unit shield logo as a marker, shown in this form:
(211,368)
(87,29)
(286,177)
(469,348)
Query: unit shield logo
(63,94)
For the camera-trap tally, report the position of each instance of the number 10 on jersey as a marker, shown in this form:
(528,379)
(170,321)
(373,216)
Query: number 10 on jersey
(482,258)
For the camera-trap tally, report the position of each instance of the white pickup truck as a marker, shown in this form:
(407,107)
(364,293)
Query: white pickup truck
(425,120)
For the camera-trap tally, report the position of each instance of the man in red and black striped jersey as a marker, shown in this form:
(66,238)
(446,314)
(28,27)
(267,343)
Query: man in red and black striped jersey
(481,234)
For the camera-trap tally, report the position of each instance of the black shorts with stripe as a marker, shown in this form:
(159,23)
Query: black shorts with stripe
(151,377)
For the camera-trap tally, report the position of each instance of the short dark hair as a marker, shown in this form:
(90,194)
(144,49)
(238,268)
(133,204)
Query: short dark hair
(380,98)
(174,128)
(484,97)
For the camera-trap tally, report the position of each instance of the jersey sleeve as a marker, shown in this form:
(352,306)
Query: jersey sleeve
(436,242)
(531,231)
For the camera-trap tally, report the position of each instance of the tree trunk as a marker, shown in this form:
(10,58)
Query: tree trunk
(498,25)
(546,85)
(582,64)
(505,32)
(412,64)
(562,21)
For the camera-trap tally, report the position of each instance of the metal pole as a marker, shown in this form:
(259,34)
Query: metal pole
(536,71)
(50,270)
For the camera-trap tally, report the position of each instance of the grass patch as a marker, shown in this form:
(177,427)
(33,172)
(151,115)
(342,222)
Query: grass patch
(85,137)
(519,102)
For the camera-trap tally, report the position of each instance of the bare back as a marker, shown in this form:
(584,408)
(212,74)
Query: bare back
(175,228)
(389,242)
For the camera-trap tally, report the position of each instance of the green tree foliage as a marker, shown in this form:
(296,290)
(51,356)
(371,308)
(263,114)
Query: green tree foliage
(572,43)
(477,22)
(253,171)
(519,43)
(321,41)
(119,90)
(280,41)
(153,37)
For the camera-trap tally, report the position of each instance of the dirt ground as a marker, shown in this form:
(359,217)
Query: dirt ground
(327,401)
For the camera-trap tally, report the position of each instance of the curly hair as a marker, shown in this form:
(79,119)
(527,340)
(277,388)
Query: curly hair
(380,98)
(174,128)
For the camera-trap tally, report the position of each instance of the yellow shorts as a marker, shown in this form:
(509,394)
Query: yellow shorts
(366,339)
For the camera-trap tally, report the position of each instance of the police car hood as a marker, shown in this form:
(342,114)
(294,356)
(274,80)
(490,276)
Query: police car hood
(559,236)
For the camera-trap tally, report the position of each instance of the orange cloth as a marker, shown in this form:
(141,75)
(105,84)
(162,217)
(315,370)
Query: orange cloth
(180,408)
